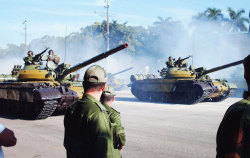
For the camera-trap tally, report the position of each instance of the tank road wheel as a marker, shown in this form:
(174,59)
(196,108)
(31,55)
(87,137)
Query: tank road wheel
(191,97)
(6,107)
(13,108)
(195,96)
(144,96)
(177,97)
(166,97)
(156,97)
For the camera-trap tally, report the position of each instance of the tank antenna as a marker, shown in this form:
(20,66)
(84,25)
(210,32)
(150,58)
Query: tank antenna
(25,29)
(65,44)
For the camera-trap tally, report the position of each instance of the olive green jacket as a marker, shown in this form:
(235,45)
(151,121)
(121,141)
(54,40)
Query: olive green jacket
(88,130)
(28,60)
(170,64)
(118,131)
(233,136)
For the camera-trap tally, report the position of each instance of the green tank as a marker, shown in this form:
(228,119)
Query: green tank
(35,93)
(182,85)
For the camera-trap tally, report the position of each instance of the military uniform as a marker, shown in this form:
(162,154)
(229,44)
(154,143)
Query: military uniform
(181,63)
(170,64)
(28,60)
(233,136)
(88,130)
(118,131)
(52,61)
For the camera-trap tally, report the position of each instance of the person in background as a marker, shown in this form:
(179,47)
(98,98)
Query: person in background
(107,99)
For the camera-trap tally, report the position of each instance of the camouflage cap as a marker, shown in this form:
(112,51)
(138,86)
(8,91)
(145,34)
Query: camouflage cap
(95,74)
(246,64)
(109,90)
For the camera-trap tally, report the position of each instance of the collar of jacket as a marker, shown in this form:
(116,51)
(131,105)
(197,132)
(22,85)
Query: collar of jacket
(93,99)
(246,95)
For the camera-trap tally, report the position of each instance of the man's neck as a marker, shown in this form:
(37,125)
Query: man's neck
(95,94)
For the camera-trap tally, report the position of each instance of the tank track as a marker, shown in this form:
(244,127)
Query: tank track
(203,97)
(49,107)
(27,110)
(223,97)
(195,99)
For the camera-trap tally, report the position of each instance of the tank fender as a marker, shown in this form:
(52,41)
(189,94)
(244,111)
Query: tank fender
(47,94)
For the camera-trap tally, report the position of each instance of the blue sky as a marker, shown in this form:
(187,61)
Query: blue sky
(50,17)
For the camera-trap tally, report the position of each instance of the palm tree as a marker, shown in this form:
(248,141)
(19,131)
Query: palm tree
(237,21)
(213,14)
(163,21)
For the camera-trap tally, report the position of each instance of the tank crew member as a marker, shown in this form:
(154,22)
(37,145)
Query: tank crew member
(107,99)
(170,62)
(87,123)
(181,63)
(29,59)
(233,135)
(52,60)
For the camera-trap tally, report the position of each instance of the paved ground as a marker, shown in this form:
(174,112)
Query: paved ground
(153,130)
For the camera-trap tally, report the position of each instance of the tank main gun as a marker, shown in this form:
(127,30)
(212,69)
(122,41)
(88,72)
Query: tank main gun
(37,57)
(202,71)
(62,74)
(112,75)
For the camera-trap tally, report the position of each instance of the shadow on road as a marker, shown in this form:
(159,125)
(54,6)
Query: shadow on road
(127,99)
(9,117)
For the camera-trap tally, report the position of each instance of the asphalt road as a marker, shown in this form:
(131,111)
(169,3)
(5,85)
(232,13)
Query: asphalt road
(153,130)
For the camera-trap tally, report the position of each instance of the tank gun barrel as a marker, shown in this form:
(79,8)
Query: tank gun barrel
(112,75)
(92,60)
(220,68)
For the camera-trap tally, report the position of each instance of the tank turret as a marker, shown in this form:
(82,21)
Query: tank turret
(36,93)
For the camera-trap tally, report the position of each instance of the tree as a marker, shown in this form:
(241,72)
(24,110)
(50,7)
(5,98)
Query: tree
(236,20)
(214,14)
(210,14)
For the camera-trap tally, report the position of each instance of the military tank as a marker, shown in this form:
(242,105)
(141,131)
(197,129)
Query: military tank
(182,85)
(117,84)
(35,93)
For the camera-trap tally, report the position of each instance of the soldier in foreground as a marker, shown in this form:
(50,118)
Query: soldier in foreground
(233,135)
(87,124)
(107,99)
(170,62)
(29,59)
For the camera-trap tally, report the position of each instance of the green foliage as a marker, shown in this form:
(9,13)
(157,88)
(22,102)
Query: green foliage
(237,21)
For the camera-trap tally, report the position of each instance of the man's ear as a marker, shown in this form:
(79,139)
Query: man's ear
(103,87)
(113,99)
